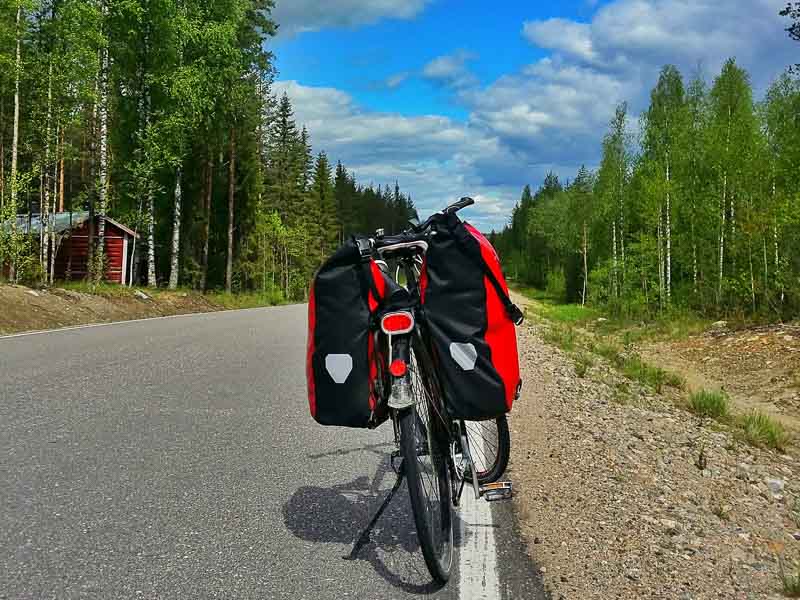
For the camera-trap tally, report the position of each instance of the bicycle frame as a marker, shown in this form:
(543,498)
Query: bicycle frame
(399,395)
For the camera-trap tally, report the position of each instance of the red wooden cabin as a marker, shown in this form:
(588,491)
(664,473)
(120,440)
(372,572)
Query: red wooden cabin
(72,240)
(73,254)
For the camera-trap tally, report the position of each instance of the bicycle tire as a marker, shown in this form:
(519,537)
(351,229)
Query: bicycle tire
(421,435)
(491,453)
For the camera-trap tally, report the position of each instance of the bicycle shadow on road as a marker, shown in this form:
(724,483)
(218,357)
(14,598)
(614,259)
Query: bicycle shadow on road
(341,513)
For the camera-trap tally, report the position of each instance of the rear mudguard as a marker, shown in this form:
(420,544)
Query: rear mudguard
(400,396)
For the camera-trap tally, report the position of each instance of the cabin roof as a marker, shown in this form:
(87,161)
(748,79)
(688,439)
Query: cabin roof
(60,222)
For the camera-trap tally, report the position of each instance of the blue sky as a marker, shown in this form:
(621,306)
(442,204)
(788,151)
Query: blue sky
(455,97)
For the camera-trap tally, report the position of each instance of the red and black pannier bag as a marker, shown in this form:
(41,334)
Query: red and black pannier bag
(342,364)
(472,322)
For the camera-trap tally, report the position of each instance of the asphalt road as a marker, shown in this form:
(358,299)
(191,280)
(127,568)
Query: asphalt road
(175,458)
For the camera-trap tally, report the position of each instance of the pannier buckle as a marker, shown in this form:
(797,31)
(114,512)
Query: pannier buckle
(364,248)
(516,314)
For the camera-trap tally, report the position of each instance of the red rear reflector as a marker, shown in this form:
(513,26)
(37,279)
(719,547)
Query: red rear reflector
(396,323)
(398,368)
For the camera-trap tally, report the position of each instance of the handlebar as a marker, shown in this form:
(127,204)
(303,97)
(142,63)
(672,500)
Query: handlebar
(450,210)
(454,208)
(416,237)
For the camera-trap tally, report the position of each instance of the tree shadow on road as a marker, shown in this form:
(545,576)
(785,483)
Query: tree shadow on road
(340,514)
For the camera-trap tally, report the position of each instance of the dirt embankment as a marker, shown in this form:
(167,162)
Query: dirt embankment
(635,498)
(24,309)
(758,367)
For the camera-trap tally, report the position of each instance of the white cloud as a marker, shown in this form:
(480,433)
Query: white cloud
(638,36)
(297,16)
(451,69)
(551,114)
(397,80)
(433,157)
(561,34)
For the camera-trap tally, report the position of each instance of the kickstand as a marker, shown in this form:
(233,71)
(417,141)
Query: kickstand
(363,539)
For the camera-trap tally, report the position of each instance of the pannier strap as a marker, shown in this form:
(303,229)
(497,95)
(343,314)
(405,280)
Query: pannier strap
(462,235)
(367,280)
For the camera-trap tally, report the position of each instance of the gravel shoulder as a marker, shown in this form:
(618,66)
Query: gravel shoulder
(635,498)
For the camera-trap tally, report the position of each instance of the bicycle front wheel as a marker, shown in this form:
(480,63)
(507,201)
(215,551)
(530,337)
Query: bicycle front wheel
(423,444)
(490,447)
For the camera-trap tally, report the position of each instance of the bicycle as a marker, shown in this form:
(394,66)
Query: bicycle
(439,454)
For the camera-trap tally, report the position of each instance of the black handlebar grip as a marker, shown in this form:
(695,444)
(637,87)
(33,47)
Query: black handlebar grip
(463,203)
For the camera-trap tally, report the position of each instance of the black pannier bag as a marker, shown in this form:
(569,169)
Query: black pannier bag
(342,365)
(472,322)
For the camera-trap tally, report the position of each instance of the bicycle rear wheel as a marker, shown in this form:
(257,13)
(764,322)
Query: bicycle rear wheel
(490,447)
(424,447)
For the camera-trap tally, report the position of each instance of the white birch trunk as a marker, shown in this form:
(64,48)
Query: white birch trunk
(2,154)
(15,141)
(45,212)
(615,279)
(723,223)
(209,191)
(732,238)
(661,258)
(694,258)
(669,239)
(151,209)
(622,216)
(231,200)
(53,248)
(585,263)
(724,209)
(102,184)
(176,233)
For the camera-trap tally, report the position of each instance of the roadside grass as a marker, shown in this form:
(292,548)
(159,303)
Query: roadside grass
(790,580)
(241,301)
(535,294)
(794,512)
(710,404)
(561,337)
(582,334)
(655,377)
(569,313)
(795,379)
(583,362)
(762,430)
(109,290)
(216,298)
(672,325)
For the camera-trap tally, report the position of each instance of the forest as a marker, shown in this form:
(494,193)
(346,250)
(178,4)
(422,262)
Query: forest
(695,207)
(160,114)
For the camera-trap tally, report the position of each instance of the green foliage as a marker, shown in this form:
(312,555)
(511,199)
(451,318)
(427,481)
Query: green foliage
(704,219)
(710,404)
(189,91)
(557,285)
(762,430)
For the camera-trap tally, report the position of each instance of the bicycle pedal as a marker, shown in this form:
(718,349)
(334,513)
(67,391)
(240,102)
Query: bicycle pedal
(501,490)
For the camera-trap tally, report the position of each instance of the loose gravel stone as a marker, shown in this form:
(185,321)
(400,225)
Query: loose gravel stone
(615,489)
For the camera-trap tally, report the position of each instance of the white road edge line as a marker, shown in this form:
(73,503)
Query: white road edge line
(92,325)
(477,566)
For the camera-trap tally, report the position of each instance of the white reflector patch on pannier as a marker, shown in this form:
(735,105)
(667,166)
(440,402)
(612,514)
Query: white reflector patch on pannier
(465,355)
(339,366)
